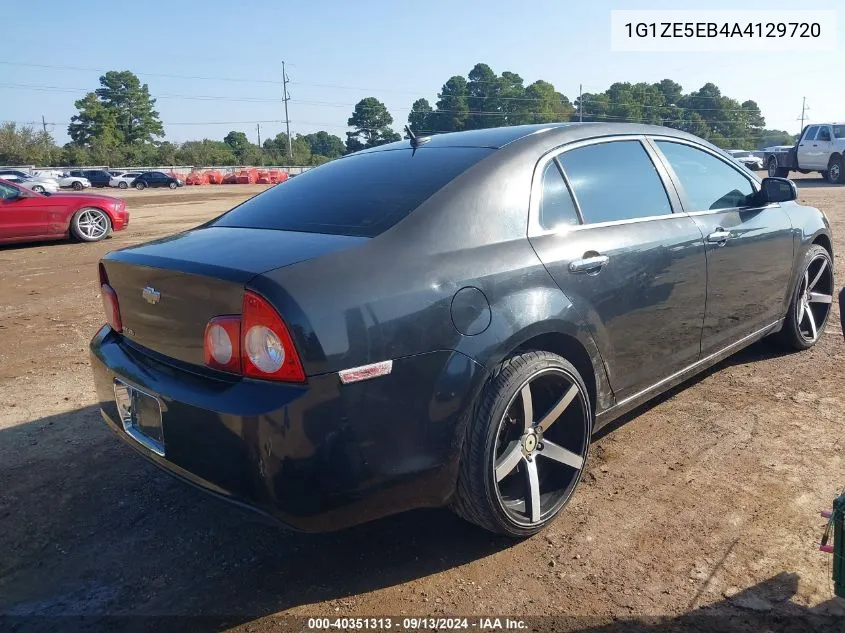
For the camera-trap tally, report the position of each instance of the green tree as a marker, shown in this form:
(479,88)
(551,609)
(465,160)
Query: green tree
(483,90)
(166,153)
(205,153)
(512,100)
(75,155)
(324,144)
(371,122)
(23,145)
(544,104)
(120,111)
(239,144)
(452,106)
(421,118)
(775,137)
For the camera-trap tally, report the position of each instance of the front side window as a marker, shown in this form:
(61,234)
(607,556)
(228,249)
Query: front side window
(615,181)
(7,192)
(708,182)
(556,205)
(811,133)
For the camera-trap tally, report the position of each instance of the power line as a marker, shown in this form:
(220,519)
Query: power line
(336,104)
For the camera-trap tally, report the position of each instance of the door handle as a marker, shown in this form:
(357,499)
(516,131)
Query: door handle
(588,264)
(719,236)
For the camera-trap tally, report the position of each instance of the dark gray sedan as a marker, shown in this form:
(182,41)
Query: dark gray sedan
(448,320)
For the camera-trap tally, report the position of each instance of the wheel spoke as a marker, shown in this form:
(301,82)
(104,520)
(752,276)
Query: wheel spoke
(812,321)
(560,454)
(818,275)
(818,297)
(508,461)
(527,406)
(801,306)
(533,497)
(559,408)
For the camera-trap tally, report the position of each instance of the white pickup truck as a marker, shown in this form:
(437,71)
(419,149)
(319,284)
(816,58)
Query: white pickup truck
(821,148)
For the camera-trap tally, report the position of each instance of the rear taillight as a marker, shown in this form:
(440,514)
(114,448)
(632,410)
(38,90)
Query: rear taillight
(110,304)
(222,346)
(256,344)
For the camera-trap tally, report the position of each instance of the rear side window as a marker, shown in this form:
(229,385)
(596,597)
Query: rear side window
(709,183)
(556,206)
(361,195)
(615,181)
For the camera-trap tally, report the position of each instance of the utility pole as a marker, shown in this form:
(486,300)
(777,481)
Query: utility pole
(44,123)
(803,109)
(258,128)
(286,98)
(580,103)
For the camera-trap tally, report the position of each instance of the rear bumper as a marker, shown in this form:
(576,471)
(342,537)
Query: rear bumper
(318,457)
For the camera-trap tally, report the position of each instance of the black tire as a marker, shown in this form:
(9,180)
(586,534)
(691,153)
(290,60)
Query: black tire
(38,188)
(835,171)
(823,175)
(140,186)
(479,494)
(794,333)
(122,185)
(173,185)
(775,171)
(76,185)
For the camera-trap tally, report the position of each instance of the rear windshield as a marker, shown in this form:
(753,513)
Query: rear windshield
(361,195)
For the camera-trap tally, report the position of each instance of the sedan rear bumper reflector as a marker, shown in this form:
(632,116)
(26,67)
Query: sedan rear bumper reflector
(365,372)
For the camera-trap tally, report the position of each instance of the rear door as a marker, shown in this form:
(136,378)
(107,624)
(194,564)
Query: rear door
(749,248)
(602,222)
(806,157)
(822,147)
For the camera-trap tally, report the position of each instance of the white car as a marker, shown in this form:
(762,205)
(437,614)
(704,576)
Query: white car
(36,183)
(747,158)
(77,183)
(124,181)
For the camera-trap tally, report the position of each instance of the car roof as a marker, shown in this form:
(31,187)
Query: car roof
(542,134)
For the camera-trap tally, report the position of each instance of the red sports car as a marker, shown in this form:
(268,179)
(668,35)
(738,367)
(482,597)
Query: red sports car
(27,216)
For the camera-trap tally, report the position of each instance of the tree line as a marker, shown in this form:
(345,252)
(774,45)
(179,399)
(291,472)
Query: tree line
(117,123)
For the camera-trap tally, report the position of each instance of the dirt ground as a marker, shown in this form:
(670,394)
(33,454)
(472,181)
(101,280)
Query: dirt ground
(704,502)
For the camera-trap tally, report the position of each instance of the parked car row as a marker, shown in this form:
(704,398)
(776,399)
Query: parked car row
(124,180)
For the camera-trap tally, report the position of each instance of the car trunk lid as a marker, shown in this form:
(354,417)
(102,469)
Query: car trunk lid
(169,289)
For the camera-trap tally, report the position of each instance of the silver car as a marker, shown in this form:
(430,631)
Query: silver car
(30,181)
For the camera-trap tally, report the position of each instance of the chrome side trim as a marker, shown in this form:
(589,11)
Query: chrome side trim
(631,402)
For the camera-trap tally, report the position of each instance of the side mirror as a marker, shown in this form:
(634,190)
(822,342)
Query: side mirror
(778,190)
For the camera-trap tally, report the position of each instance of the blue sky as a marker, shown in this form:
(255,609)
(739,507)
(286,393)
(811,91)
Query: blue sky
(339,52)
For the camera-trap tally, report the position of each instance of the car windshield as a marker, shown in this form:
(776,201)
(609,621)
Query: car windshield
(361,195)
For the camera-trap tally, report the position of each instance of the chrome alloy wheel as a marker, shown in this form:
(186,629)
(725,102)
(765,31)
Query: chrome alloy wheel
(815,294)
(92,224)
(541,445)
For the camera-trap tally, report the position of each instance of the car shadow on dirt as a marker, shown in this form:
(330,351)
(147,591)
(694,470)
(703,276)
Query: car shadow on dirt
(760,351)
(809,183)
(99,531)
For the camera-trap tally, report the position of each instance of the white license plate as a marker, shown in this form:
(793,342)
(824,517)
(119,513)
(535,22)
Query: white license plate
(140,414)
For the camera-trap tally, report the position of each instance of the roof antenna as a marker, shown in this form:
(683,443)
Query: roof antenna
(416,141)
